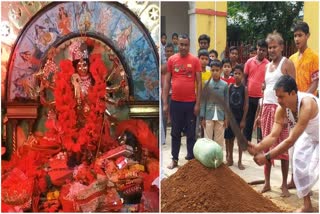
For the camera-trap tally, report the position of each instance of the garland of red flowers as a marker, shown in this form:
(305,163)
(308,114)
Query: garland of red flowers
(74,139)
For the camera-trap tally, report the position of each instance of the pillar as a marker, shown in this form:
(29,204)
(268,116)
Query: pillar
(208,18)
(311,16)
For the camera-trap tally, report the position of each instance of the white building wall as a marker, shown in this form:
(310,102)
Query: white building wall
(193,32)
(175,17)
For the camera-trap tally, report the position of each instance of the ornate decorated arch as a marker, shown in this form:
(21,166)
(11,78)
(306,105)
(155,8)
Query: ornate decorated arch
(109,22)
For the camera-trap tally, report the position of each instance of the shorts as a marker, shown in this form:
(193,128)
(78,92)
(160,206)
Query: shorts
(228,133)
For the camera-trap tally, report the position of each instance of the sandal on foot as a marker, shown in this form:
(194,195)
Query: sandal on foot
(174,164)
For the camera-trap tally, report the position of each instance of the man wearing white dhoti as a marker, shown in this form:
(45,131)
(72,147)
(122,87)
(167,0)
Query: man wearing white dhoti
(302,111)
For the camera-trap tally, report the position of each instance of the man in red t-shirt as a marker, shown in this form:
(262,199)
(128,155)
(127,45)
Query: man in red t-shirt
(183,74)
(254,71)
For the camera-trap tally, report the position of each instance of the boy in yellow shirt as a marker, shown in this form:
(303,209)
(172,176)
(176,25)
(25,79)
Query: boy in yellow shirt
(203,56)
(306,61)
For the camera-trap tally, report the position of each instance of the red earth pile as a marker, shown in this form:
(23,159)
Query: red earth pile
(196,188)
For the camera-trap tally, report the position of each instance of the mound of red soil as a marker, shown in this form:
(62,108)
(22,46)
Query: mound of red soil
(196,188)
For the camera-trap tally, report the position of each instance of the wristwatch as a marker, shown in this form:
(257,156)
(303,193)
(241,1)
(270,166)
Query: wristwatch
(267,156)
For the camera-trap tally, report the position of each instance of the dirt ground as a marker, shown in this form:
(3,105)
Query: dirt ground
(196,188)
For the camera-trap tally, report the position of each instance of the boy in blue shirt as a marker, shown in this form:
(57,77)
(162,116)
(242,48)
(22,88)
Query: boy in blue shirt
(212,114)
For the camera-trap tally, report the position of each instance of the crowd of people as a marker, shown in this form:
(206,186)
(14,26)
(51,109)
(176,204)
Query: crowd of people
(270,92)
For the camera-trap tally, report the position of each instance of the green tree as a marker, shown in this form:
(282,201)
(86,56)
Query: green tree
(254,20)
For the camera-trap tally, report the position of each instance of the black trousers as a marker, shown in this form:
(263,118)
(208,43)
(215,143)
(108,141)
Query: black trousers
(253,105)
(182,116)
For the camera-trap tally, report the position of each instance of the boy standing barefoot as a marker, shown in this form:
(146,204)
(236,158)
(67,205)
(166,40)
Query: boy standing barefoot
(238,102)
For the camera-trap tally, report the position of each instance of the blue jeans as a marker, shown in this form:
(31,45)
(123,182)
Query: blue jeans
(182,116)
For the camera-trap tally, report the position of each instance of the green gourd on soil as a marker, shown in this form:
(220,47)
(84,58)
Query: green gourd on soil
(208,152)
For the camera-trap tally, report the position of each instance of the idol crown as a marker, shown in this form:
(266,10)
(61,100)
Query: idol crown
(78,50)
